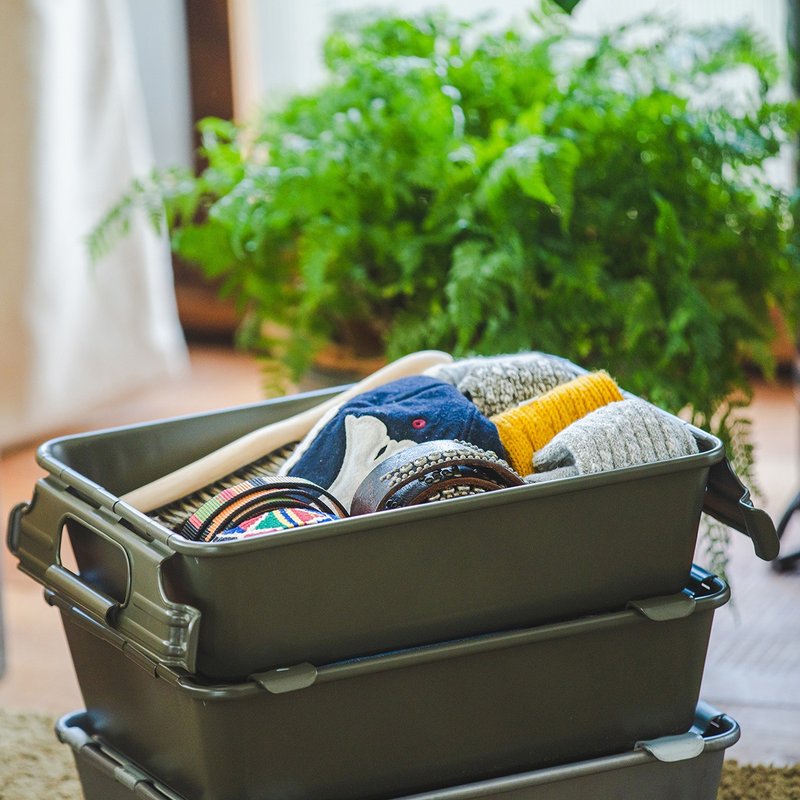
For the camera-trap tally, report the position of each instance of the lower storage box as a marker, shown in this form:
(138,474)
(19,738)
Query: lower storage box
(683,767)
(410,720)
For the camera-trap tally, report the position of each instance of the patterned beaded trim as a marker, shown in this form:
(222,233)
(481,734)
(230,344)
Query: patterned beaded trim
(447,455)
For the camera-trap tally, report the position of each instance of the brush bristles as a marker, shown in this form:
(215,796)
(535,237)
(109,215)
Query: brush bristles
(174,514)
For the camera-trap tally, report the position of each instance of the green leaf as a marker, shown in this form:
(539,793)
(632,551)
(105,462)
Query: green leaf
(559,173)
(207,246)
(567,6)
(522,164)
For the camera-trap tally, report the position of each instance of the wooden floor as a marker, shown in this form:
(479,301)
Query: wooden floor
(753,666)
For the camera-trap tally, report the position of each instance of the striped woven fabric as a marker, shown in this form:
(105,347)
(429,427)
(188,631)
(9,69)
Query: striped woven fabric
(219,501)
(254,498)
(280,520)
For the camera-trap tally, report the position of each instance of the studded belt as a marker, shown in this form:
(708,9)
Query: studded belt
(431,471)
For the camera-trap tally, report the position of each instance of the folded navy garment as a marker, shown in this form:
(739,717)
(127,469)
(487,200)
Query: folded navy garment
(339,453)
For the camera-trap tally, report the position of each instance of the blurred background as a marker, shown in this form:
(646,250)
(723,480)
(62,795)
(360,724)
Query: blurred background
(96,93)
(103,92)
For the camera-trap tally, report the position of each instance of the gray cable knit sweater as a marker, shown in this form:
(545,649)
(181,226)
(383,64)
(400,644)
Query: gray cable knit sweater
(623,434)
(498,383)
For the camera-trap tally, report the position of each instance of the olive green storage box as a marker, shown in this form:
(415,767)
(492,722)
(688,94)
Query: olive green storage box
(516,557)
(683,767)
(409,720)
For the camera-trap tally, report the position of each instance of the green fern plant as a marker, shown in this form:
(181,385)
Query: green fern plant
(603,197)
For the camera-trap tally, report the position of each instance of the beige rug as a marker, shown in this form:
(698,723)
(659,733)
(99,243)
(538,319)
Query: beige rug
(746,782)
(34,765)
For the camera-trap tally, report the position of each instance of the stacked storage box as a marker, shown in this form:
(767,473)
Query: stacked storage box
(526,641)
(686,766)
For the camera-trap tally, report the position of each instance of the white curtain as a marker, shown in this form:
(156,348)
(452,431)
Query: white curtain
(73,133)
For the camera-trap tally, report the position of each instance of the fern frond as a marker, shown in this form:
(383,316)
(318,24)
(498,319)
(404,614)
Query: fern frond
(144,195)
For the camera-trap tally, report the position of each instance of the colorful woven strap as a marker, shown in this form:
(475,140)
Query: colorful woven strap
(272,521)
(253,498)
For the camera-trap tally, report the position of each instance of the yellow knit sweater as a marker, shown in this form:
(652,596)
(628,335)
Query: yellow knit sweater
(527,428)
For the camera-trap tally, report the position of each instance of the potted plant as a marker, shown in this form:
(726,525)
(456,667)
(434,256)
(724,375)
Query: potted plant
(603,197)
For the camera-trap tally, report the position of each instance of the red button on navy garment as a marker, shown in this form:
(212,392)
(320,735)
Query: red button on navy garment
(418,424)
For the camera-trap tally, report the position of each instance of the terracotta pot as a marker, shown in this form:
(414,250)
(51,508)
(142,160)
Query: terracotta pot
(338,364)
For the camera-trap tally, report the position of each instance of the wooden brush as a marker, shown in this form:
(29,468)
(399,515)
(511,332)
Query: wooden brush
(246,453)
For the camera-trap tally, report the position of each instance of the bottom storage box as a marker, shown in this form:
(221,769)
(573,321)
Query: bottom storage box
(408,721)
(682,767)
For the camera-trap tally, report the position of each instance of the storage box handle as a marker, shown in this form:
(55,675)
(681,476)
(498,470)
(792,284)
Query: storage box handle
(160,628)
(680,747)
(728,500)
(70,586)
(116,768)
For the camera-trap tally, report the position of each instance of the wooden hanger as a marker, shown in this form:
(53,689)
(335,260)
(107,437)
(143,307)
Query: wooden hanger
(258,443)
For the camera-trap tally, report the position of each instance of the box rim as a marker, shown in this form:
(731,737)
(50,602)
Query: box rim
(711,452)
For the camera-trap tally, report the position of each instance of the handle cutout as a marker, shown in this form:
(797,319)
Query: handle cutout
(99,563)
